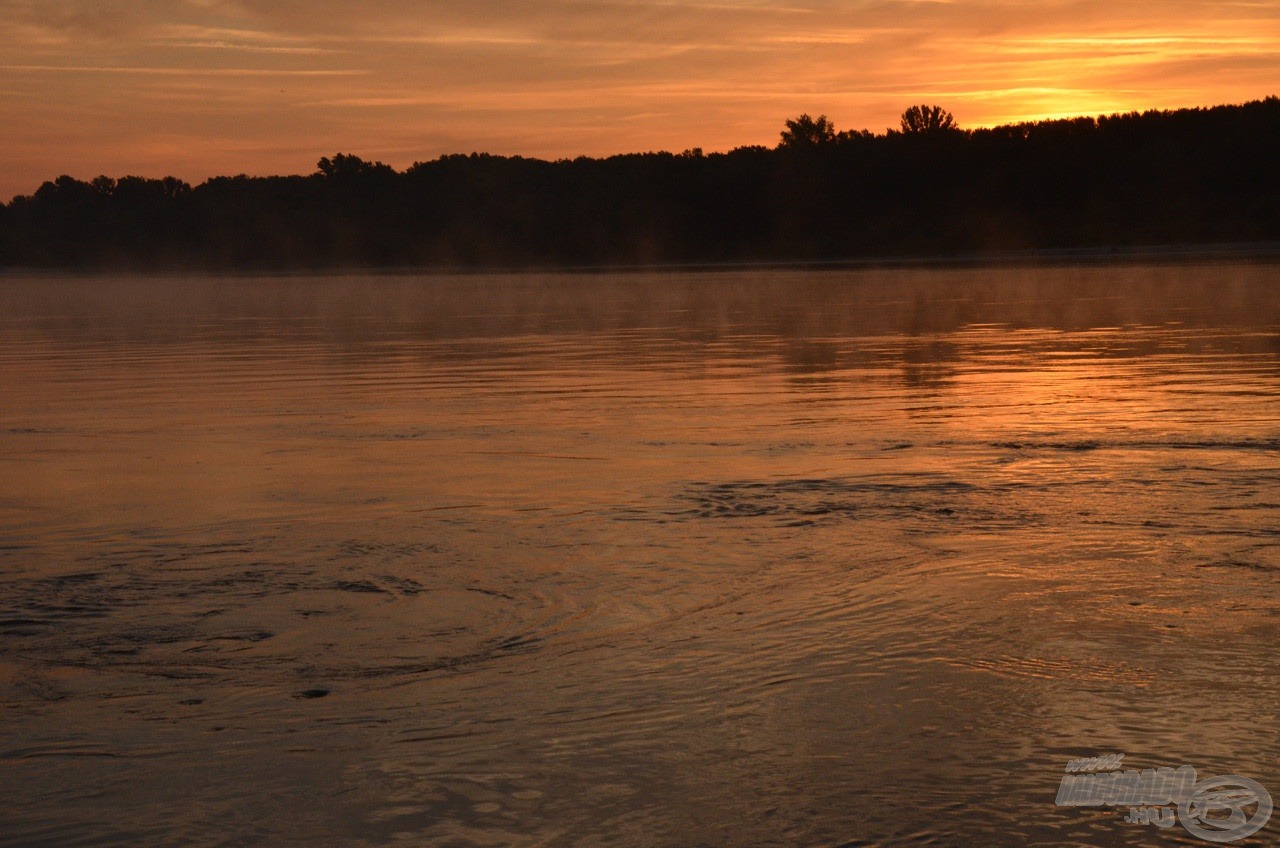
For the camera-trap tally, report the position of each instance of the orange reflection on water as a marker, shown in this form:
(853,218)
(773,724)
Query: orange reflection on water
(575,558)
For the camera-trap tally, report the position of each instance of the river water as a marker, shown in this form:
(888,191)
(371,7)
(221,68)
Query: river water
(734,558)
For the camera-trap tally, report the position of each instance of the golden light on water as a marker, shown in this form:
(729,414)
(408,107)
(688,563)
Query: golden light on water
(202,88)
(487,559)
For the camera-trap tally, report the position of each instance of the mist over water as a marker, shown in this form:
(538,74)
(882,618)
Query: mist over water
(840,557)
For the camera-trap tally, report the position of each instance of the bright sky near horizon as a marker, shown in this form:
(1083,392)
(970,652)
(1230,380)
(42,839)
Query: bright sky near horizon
(195,88)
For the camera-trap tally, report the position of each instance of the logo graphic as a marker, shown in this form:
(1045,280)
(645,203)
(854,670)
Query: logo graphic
(1218,809)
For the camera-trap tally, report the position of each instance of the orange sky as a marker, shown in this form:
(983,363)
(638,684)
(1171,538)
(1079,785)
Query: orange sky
(201,87)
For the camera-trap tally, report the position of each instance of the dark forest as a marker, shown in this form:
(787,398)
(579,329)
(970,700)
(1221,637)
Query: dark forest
(928,189)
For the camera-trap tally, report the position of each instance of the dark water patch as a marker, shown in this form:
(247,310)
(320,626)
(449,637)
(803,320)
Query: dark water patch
(1239,563)
(1228,507)
(71,610)
(154,635)
(45,751)
(783,448)
(1219,444)
(25,622)
(20,627)
(311,694)
(1133,444)
(1088,445)
(404,585)
(82,577)
(359,586)
(802,502)
(360,549)
(27,616)
(252,636)
(495,649)
(516,643)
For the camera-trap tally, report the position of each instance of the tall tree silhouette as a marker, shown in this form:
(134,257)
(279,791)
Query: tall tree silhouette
(806,132)
(927,120)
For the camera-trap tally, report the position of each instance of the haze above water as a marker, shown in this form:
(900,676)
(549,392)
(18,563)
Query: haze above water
(736,558)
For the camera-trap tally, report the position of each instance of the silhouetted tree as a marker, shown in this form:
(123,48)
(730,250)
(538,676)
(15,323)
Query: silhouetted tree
(344,166)
(854,136)
(807,132)
(927,120)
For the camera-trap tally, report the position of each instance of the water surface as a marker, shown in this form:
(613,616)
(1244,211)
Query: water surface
(736,558)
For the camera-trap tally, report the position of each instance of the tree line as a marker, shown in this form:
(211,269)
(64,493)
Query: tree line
(928,188)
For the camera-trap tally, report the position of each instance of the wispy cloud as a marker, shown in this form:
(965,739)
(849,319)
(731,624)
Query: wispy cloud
(182,71)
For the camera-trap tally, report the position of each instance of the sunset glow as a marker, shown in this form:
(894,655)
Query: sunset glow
(202,87)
